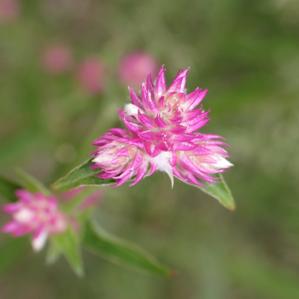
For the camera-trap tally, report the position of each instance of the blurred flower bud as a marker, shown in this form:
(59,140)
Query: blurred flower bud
(134,68)
(9,10)
(57,59)
(91,75)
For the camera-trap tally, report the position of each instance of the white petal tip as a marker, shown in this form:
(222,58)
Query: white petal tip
(221,163)
(171,181)
(97,159)
(39,242)
(162,163)
(131,109)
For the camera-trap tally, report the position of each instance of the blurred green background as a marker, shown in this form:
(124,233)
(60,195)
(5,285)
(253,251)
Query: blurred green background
(247,54)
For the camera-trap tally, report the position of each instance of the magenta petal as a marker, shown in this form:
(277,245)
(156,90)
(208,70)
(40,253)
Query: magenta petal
(179,83)
(11,208)
(134,98)
(184,146)
(196,97)
(140,175)
(160,86)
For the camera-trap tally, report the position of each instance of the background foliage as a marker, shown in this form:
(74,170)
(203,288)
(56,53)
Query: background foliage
(246,53)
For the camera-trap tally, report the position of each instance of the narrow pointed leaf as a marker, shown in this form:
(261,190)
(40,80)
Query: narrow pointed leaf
(221,192)
(67,243)
(8,189)
(120,251)
(82,175)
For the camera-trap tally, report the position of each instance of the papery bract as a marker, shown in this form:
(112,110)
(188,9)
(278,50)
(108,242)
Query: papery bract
(36,214)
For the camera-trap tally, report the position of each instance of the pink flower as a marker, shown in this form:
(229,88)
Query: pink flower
(57,59)
(36,214)
(161,134)
(91,75)
(9,10)
(135,67)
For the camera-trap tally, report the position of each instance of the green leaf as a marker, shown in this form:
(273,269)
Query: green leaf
(82,175)
(68,244)
(221,192)
(31,183)
(122,252)
(8,189)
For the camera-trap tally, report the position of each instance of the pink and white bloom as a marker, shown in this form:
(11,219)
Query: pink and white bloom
(91,74)
(57,59)
(134,68)
(36,214)
(162,134)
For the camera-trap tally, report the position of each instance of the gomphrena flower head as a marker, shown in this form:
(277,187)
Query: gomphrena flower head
(36,214)
(161,133)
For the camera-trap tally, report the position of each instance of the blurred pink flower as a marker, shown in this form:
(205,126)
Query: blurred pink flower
(134,68)
(91,75)
(36,214)
(9,10)
(161,134)
(57,59)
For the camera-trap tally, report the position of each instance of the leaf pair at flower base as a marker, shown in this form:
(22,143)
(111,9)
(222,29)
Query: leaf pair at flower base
(100,242)
(89,235)
(84,175)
